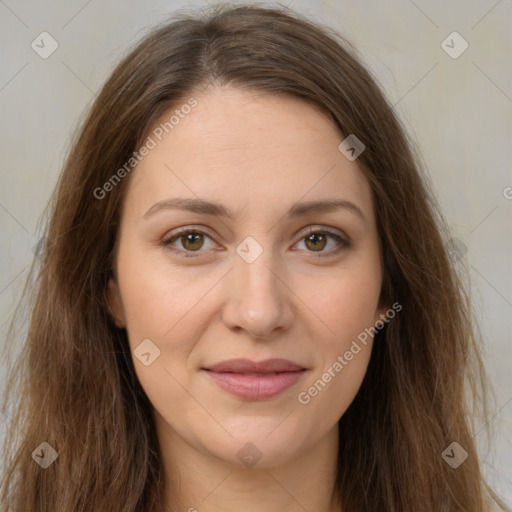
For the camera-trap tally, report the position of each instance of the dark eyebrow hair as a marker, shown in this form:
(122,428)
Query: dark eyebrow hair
(212,208)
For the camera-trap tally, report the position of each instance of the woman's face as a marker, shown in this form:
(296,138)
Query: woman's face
(261,275)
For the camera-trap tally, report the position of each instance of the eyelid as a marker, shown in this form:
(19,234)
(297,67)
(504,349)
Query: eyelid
(314,228)
(176,233)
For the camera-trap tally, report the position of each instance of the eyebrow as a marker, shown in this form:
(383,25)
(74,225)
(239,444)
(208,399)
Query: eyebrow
(205,207)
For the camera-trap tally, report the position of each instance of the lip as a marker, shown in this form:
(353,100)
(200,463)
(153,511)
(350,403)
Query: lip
(255,380)
(248,366)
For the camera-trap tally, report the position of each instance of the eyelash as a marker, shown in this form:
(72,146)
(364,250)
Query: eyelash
(344,242)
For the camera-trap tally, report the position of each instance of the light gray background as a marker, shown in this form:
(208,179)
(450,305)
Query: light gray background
(459,110)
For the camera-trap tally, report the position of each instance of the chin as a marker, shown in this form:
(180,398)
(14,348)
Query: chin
(258,447)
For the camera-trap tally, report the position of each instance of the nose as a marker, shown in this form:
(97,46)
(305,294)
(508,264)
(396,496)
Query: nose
(258,300)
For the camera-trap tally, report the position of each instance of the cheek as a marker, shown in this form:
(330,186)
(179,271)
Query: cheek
(345,301)
(342,363)
(161,305)
(329,393)
(158,299)
(170,307)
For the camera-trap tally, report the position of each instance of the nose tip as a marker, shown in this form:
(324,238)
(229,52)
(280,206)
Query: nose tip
(258,301)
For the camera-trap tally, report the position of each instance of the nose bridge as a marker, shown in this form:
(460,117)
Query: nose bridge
(258,276)
(257,298)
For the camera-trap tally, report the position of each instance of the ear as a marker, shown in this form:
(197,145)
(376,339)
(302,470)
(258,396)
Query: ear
(114,303)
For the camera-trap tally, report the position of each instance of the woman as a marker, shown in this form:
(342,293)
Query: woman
(245,301)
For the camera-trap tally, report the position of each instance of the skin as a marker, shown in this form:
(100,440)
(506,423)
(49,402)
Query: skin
(257,154)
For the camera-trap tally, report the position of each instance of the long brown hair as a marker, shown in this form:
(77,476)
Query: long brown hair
(74,385)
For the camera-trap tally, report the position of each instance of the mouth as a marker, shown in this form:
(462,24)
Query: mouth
(255,380)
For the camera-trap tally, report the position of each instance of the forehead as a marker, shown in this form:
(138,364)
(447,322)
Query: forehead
(246,148)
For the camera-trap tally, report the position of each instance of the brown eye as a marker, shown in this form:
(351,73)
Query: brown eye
(186,242)
(316,241)
(192,241)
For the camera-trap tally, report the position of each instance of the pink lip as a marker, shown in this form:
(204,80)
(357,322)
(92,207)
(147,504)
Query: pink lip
(255,380)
